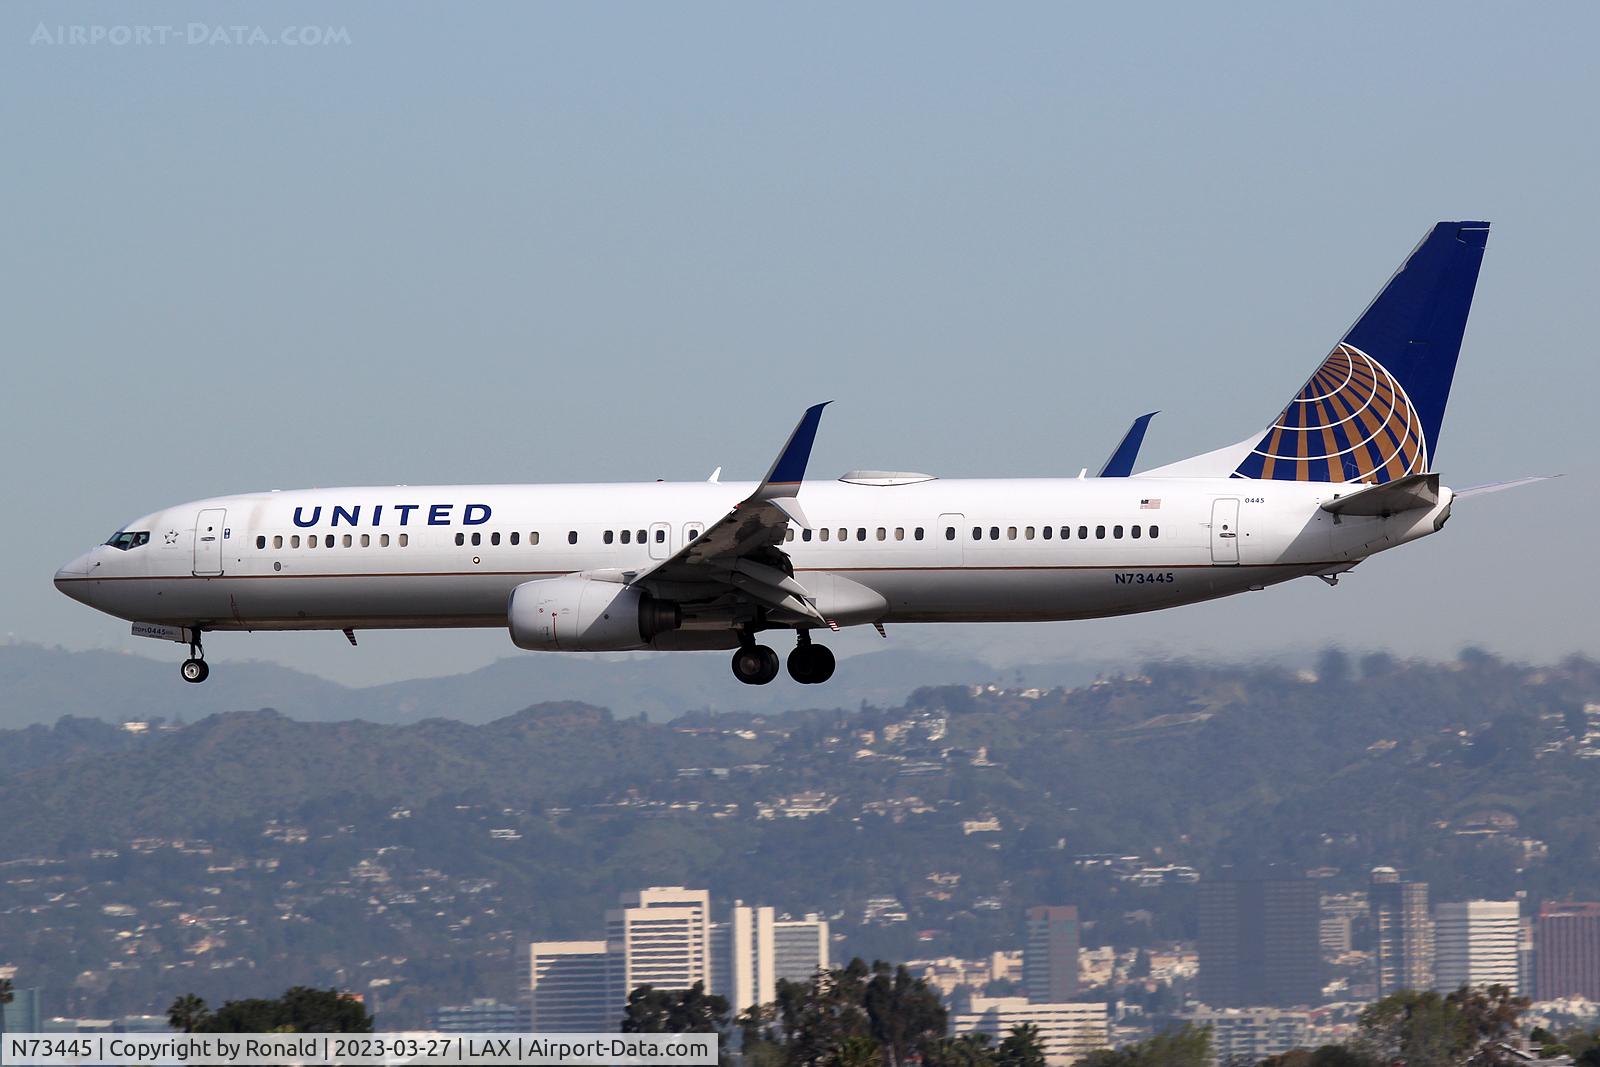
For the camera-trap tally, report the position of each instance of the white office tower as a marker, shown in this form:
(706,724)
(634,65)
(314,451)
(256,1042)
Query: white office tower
(659,937)
(742,957)
(799,948)
(1475,944)
(568,988)
(1069,1032)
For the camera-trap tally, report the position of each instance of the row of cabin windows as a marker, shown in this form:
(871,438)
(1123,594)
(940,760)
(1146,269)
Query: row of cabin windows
(994,533)
(825,534)
(331,541)
(1028,533)
(513,538)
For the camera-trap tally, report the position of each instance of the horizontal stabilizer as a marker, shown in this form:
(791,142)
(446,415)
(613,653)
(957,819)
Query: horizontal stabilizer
(1403,494)
(1120,465)
(1496,487)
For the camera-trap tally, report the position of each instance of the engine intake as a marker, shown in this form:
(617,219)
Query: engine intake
(582,614)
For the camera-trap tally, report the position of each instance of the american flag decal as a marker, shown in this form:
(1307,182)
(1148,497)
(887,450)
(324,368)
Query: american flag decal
(1152,503)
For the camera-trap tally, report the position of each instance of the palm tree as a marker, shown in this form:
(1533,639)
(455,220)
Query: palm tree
(187,1012)
(6,996)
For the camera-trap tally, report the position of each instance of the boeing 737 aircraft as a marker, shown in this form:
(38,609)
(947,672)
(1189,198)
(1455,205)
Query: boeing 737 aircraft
(1343,472)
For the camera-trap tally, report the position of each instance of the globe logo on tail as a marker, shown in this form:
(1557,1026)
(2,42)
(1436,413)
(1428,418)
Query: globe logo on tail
(1351,423)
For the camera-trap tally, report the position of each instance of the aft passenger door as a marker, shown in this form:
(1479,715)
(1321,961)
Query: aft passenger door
(1225,530)
(208,529)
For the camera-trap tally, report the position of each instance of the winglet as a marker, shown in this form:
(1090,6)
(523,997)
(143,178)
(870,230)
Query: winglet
(1120,464)
(789,469)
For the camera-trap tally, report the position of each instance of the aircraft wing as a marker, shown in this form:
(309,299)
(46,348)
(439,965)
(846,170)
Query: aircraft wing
(738,554)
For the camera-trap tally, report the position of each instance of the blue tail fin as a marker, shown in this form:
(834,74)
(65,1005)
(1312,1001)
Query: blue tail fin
(1372,410)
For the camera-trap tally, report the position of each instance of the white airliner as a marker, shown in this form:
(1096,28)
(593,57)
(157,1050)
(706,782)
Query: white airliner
(1345,471)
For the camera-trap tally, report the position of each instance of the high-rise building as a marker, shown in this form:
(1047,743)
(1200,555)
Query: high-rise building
(21,1016)
(799,948)
(1259,941)
(659,937)
(1402,932)
(1250,1035)
(568,988)
(1569,951)
(483,1016)
(1475,944)
(1050,954)
(1068,1032)
(742,957)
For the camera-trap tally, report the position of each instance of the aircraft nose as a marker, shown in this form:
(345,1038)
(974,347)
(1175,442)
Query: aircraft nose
(66,577)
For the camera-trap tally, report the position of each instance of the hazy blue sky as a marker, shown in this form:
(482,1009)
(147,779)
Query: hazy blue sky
(593,242)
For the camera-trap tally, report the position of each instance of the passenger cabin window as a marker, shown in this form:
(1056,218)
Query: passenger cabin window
(494,538)
(1011,533)
(918,533)
(1155,532)
(694,531)
(366,540)
(661,537)
(328,541)
(641,537)
(277,540)
(823,533)
(607,536)
(844,534)
(572,537)
(899,533)
(477,538)
(294,541)
(883,534)
(949,533)
(383,540)
(994,533)
(515,537)
(1135,533)
(977,533)
(1100,532)
(1028,533)
(461,538)
(805,535)
(261,541)
(348,540)
(1116,531)
(788,535)
(405,539)
(123,540)
(1083,533)
(1046,531)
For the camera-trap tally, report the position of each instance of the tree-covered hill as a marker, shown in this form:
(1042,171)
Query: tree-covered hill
(264,848)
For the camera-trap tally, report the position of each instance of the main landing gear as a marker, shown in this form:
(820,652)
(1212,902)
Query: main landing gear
(809,664)
(194,668)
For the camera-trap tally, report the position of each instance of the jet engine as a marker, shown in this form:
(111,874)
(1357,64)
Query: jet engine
(582,614)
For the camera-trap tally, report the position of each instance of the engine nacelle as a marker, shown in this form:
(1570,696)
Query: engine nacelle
(580,614)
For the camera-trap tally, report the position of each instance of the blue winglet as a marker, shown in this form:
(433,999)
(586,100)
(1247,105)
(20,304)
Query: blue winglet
(1120,465)
(789,469)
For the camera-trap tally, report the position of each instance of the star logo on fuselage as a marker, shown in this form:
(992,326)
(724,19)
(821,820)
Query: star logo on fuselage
(172,537)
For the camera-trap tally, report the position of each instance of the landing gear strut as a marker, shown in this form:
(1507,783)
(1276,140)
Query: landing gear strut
(810,664)
(194,668)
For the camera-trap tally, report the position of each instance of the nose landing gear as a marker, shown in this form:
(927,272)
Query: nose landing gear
(194,668)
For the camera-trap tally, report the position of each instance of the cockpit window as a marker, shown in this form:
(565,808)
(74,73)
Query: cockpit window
(126,539)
